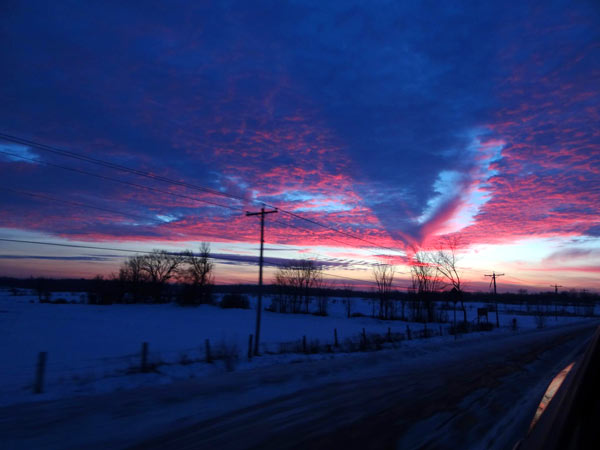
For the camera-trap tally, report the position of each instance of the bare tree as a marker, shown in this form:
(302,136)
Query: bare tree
(426,279)
(348,300)
(160,266)
(425,274)
(132,277)
(295,281)
(321,288)
(384,277)
(446,260)
(401,298)
(198,276)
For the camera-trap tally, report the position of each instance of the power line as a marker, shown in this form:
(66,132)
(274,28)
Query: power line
(556,286)
(78,204)
(262,215)
(73,203)
(110,165)
(116,180)
(125,250)
(123,168)
(152,189)
(175,194)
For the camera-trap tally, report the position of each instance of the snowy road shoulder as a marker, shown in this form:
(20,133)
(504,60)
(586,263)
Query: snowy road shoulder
(122,418)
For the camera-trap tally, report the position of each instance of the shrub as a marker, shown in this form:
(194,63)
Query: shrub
(483,326)
(313,346)
(235,301)
(461,327)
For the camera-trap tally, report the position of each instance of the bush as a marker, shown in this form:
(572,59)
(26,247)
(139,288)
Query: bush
(483,326)
(461,327)
(235,301)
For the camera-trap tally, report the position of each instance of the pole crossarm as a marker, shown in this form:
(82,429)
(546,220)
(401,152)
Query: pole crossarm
(262,213)
(493,277)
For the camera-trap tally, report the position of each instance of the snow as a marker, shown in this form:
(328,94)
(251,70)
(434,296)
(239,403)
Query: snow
(121,419)
(93,349)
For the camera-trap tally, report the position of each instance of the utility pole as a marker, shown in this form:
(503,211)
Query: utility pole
(555,286)
(493,280)
(262,214)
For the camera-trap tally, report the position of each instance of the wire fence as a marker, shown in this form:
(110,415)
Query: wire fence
(55,375)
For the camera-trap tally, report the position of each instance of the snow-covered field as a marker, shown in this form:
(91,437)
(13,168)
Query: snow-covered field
(95,349)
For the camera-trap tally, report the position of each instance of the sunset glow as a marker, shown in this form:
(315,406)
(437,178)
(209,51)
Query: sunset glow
(396,126)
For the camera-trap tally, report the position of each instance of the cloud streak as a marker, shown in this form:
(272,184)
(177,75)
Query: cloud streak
(398,123)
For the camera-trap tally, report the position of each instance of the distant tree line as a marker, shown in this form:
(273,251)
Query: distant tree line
(298,285)
(159,277)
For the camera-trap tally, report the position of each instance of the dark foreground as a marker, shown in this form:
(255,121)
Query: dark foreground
(485,400)
(478,394)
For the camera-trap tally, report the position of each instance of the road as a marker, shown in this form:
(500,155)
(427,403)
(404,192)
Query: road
(482,400)
(472,394)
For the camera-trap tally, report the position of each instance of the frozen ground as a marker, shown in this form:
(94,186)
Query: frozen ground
(476,393)
(94,349)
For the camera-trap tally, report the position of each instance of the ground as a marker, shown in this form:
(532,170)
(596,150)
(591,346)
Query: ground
(481,394)
(93,349)
(95,397)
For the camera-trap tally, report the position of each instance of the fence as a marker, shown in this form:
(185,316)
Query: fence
(45,375)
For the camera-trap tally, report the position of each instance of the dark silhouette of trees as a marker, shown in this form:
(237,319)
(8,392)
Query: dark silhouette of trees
(384,277)
(133,279)
(426,280)
(348,300)
(322,296)
(446,261)
(294,282)
(197,276)
(160,266)
(144,277)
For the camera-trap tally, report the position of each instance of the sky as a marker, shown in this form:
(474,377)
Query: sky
(382,127)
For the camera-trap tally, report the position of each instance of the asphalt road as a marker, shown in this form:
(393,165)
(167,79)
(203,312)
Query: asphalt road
(481,399)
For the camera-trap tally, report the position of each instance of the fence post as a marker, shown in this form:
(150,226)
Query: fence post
(364,336)
(304,343)
(207,346)
(408,332)
(144,367)
(390,334)
(39,373)
(249,347)
(335,337)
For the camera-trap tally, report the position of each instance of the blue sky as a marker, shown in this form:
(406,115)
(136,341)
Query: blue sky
(399,122)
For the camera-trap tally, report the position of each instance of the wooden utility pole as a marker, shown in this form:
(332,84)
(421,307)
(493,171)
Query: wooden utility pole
(493,280)
(262,214)
(555,286)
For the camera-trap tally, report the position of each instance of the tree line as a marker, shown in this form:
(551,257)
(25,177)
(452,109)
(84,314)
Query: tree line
(159,277)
